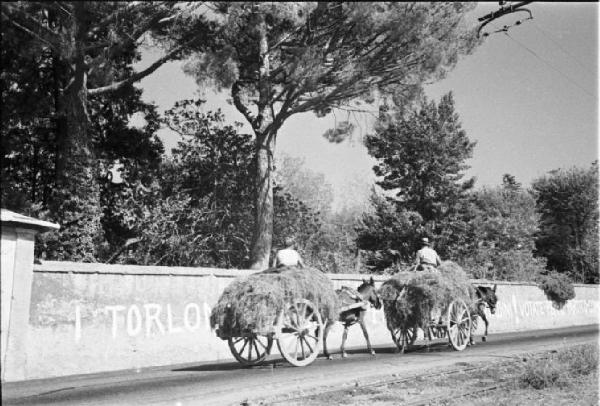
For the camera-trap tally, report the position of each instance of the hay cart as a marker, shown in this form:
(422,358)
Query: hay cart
(455,325)
(436,302)
(287,305)
(298,331)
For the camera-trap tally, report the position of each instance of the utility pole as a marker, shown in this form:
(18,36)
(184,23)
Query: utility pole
(504,10)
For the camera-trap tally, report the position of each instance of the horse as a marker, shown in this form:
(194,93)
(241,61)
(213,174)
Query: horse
(355,304)
(486,296)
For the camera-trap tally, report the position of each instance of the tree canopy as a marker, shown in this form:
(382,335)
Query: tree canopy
(421,162)
(220,198)
(279,59)
(82,51)
(422,157)
(314,57)
(567,200)
(35,180)
(502,228)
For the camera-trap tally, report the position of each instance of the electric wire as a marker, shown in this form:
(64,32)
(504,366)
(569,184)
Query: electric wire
(548,64)
(552,66)
(548,10)
(555,42)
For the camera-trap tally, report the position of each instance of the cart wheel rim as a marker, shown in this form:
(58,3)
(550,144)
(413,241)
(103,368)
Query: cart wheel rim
(250,350)
(302,336)
(458,324)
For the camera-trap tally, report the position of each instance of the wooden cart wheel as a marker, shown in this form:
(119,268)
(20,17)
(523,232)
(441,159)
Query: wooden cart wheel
(437,331)
(301,333)
(458,324)
(403,337)
(250,350)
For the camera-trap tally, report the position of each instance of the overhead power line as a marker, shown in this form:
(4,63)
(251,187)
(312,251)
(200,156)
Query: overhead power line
(552,67)
(551,39)
(549,64)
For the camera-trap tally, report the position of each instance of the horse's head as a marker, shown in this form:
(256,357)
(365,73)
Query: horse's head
(369,292)
(488,296)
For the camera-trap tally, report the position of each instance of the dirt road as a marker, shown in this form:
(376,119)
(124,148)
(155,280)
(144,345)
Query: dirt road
(229,383)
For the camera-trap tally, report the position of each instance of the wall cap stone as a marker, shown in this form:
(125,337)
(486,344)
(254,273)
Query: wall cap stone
(8,217)
(119,269)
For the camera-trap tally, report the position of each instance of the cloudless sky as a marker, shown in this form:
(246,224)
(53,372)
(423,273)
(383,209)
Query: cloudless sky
(529,99)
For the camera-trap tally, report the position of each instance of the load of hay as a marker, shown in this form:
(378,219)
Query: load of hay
(252,303)
(411,297)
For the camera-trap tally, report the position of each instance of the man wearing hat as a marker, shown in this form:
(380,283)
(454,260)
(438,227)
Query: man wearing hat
(426,256)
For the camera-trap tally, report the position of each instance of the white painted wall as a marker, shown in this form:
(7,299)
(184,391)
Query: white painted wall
(87,318)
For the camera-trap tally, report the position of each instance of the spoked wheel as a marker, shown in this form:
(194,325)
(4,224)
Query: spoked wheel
(437,331)
(403,337)
(250,350)
(301,333)
(458,324)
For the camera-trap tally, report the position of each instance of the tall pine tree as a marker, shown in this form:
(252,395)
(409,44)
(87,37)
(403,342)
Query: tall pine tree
(281,59)
(421,162)
(85,51)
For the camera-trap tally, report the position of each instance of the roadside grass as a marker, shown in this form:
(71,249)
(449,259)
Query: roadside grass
(561,369)
(583,392)
(567,376)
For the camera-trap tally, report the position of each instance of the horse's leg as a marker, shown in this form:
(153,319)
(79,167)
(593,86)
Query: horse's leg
(344,355)
(485,320)
(361,321)
(473,327)
(397,349)
(427,334)
(328,326)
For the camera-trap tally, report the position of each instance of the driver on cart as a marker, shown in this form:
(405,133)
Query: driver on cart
(427,258)
(288,256)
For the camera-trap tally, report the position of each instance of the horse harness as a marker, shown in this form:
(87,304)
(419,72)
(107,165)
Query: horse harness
(480,296)
(354,300)
(481,302)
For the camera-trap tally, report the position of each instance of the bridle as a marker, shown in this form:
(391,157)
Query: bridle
(482,301)
(374,292)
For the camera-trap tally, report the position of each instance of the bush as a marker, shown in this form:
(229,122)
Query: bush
(510,265)
(544,374)
(561,369)
(557,287)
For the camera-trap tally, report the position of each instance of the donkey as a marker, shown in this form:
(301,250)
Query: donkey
(355,304)
(486,296)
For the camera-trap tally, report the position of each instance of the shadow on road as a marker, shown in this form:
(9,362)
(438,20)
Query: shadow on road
(278,362)
(230,366)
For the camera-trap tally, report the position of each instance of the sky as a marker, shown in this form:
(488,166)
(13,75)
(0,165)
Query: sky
(529,99)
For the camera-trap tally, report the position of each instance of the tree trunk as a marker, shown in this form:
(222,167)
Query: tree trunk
(76,200)
(265,147)
(77,195)
(263,210)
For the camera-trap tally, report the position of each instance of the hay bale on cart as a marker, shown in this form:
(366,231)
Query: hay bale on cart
(415,300)
(287,304)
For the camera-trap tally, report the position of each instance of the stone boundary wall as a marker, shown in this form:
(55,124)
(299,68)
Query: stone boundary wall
(88,318)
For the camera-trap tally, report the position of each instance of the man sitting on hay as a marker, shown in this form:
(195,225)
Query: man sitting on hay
(427,258)
(288,256)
